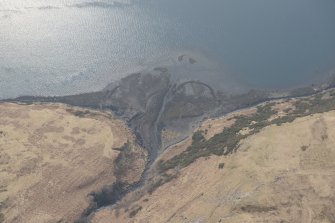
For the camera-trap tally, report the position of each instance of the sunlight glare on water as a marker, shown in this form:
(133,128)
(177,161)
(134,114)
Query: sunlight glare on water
(57,47)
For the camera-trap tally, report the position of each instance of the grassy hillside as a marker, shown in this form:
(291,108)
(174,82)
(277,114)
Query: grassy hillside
(228,140)
(53,156)
(274,163)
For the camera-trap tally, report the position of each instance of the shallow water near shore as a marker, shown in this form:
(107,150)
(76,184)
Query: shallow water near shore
(67,47)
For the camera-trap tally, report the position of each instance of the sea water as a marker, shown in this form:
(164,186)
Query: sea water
(58,47)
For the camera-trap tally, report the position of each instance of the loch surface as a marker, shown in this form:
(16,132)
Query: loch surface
(58,47)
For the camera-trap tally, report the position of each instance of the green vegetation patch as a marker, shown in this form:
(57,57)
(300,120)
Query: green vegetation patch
(221,165)
(79,113)
(135,211)
(228,140)
(165,178)
(125,160)
(223,143)
(87,113)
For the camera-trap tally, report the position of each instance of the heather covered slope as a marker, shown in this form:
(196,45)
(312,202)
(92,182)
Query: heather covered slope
(161,113)
(53,156)
(283,172)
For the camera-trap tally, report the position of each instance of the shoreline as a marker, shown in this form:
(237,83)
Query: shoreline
(100,102)
(151,163)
